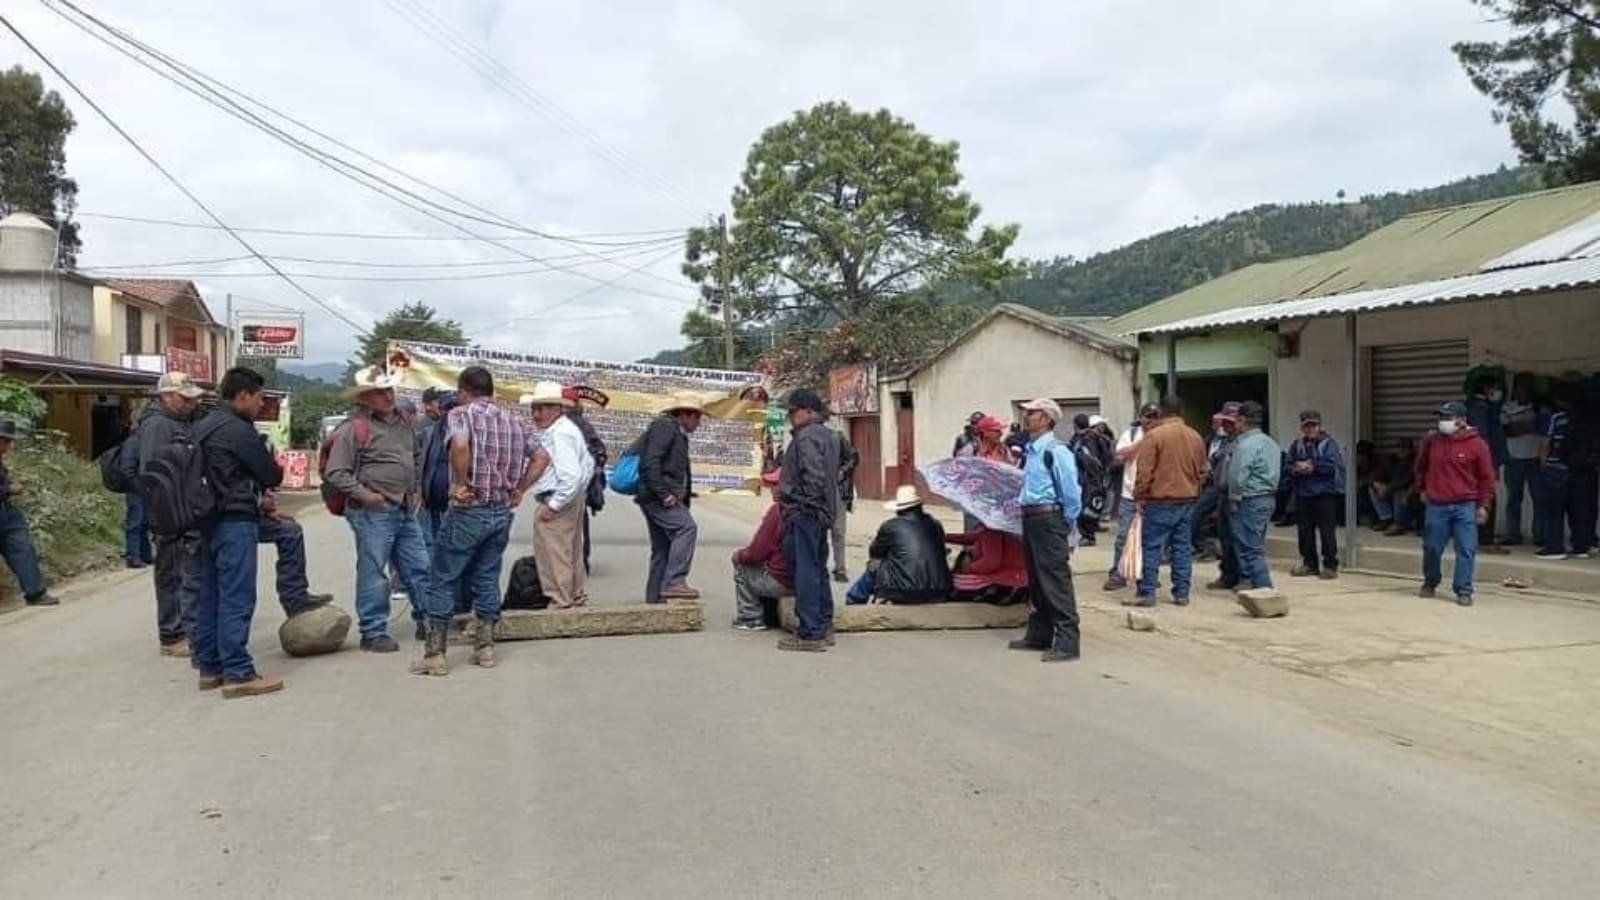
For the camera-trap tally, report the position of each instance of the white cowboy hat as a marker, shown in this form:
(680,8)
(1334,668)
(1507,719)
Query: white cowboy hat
(369,379)
(905,497)
(545,393)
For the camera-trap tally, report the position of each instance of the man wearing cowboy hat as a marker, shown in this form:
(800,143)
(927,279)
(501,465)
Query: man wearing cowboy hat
(558,476)
(177,571)
(373,461)
(16,539)
(809,495)
(907,561)
(594,495)
(665,483)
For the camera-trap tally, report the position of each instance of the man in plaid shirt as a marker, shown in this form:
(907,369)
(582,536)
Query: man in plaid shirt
(489,449)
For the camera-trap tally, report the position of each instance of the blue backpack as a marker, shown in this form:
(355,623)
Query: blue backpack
(625,475)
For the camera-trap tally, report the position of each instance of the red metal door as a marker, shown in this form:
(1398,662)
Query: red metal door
(866,437)
(906,451)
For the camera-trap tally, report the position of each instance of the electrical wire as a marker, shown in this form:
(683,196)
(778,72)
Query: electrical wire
(173,179)
(198,84)
(369,264)
(575,297)
(369,236)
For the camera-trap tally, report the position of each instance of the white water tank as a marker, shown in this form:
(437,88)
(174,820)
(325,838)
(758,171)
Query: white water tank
(26,243)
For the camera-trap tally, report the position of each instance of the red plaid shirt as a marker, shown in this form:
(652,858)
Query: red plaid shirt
(501,443)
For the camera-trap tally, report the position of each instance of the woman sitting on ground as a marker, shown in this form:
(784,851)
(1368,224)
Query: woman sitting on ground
(992,570)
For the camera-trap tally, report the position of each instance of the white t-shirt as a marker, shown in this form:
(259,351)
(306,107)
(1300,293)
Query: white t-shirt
(571,467)
(1129,469)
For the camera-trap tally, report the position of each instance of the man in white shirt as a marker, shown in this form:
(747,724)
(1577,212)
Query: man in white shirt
(559,474)
(1127,452)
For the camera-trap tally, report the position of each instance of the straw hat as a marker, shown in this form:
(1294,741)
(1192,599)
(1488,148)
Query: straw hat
(684,404)
(545,393)
(369,379)
(905,497)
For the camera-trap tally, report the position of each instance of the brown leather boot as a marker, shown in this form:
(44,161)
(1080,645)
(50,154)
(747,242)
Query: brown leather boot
(255,687)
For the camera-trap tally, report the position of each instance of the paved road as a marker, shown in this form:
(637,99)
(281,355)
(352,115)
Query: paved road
(711,765)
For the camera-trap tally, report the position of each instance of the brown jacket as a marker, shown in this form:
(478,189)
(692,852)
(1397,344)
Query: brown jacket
(1172,463)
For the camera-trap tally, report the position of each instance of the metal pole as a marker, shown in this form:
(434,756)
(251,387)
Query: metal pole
(227,338)
(1351,485)
(1172,366)
(723,279)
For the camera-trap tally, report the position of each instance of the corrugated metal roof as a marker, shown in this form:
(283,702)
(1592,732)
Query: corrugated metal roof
(1576,241)
(1424,246)
(1564,275)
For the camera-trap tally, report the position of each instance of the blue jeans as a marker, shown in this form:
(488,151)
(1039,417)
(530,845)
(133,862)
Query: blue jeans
(1125,513)
(16,545)
(227,601)
(469,553)
(1442,523)
(432,520)
(391,534)
(135,531)
(1248,522)
(1382,504)
(1168,525)
(1521,480)
(862,590)
(805,542)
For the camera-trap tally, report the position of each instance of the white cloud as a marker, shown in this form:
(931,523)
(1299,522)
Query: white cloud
(1090,123)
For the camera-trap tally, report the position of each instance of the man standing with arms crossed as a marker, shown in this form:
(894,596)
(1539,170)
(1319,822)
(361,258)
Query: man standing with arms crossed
(1051,503)
(809,496)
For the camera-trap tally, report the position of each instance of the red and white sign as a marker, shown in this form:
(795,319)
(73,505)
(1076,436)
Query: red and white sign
(195,365)
(296,469)
(279,337)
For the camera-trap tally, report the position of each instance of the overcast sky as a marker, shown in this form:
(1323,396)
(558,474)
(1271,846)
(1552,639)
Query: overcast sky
(1090,123)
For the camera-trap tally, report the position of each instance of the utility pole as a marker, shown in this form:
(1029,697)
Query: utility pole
(724,291)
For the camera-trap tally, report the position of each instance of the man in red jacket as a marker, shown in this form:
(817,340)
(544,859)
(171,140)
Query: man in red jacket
(1456,474)
(761,573)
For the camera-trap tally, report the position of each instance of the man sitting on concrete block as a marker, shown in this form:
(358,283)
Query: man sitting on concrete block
(906,563)
(761,571)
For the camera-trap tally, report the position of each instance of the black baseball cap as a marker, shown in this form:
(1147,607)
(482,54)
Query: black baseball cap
(806,398)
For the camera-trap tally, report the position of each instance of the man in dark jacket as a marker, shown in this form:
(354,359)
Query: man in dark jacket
(809,496)
(907,557)
(1316,465)
(240,468)
(1456,471)
(848,460)
(177,571)
(665,485)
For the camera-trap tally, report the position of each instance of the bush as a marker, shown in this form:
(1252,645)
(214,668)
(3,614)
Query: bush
(77,523)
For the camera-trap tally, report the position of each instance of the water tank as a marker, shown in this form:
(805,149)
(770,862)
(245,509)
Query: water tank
(26,243)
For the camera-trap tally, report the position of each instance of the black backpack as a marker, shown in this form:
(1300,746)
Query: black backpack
(523,591)
(176,485)
(119,466)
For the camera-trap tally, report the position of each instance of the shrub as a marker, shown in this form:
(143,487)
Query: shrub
(77,523)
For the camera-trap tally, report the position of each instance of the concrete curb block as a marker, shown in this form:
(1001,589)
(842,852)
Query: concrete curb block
(595,621)
(921,617)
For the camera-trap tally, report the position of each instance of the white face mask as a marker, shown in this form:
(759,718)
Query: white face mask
(1447,426)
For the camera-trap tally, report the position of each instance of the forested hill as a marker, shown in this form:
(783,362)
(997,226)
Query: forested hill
(1158,266)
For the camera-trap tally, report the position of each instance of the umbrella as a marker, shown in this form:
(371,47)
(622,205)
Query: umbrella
(987,490)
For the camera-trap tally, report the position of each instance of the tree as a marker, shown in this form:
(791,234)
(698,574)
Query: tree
(307,407)
(837,213)
(1554,49)
(415,321)
(34,124)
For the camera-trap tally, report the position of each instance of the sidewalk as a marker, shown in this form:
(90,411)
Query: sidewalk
(1513,680)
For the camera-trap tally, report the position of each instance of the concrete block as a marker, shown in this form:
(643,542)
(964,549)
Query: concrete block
(1140,621)
(1264,603)
(318,630)
(920,617)
(589,621)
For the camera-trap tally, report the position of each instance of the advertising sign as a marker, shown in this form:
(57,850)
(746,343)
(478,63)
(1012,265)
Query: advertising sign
(272,337)
(195,365)
(853,390)
(621,399)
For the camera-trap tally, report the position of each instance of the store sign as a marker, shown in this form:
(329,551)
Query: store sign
(278,337)
(853,390)
(195,365)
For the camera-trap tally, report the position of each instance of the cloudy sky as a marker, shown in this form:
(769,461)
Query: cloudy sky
(1090,123)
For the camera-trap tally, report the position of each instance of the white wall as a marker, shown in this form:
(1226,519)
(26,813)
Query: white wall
(27,320)
(1547,334)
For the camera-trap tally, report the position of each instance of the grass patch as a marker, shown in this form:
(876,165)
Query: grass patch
(77,523)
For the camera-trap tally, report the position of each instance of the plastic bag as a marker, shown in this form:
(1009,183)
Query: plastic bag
(1131,565)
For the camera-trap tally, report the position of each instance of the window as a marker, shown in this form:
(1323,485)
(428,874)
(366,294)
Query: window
(133,323)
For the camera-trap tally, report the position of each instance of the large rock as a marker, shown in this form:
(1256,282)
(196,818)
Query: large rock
(1264,603)
(590,621)
(916,617)
(1140,621)
(321,629)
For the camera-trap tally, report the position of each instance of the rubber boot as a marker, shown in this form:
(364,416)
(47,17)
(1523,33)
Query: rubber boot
(483,644)
(433,658)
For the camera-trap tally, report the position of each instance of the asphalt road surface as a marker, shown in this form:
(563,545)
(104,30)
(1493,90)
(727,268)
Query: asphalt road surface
(928,765)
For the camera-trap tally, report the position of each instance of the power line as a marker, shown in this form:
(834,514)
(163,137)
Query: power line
(173,179)
(200,85)
(402,279)
(370,264)
(370,236)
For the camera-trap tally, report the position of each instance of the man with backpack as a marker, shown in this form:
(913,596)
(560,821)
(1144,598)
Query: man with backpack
(168,421)
(373,465)
(237,468)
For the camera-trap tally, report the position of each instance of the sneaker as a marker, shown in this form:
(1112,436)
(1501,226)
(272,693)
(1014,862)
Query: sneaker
(178,649)
(1115,583)
(210,682)
(255,687)
(1549,556)
(1428,591)
(802,645)
(749,626)
(1328,574)
(1140,601)
(1303,572)
(42,600)
(1463,599)
(380,644)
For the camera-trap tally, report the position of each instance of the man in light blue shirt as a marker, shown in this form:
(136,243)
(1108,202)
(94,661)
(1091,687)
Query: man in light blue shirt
(1051,502)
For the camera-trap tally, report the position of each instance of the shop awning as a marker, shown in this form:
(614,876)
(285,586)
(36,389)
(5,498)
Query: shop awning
(74,374)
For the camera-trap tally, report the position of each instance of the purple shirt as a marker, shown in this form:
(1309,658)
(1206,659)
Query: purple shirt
(501,443)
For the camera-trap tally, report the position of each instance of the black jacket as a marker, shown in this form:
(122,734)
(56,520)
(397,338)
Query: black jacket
(664,463)
(848,460)
(158,426)
(912,567)
(241,465)
(810,485)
